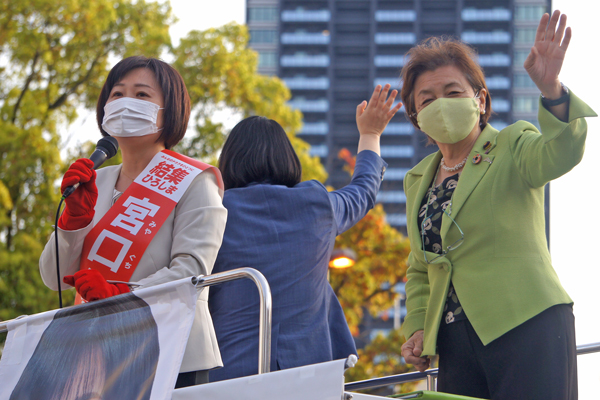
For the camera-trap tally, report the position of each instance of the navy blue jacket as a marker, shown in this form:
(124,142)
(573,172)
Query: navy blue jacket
(287,234)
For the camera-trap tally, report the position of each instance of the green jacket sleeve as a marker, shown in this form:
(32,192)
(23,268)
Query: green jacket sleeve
(417,297)
(543,157)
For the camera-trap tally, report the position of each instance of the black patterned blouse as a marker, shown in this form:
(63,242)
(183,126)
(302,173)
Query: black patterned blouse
(440,199)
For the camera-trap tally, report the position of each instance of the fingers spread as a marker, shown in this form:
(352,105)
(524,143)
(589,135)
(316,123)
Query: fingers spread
(541,29)
(361,108)
(384,93)
(566,40)
(550,31)
(558,36)
(375,94)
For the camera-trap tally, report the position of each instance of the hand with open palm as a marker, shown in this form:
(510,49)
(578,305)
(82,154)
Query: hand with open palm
(548,53)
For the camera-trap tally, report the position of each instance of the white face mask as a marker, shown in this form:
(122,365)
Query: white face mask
(129,117)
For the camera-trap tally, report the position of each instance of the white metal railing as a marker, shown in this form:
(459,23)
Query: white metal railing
(431,374)
(266,306)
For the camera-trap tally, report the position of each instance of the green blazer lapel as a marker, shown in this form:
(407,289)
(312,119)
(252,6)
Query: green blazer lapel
(471,175)
(416,192)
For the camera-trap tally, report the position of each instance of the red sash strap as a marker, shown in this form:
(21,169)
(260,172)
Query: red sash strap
(117,243)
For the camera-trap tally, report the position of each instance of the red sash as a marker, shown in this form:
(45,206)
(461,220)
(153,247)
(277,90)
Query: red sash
(117,243)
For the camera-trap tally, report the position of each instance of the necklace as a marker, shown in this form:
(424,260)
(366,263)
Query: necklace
(127,176)
(455,168)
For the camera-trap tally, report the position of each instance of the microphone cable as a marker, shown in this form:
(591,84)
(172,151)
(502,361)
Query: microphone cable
(58,213)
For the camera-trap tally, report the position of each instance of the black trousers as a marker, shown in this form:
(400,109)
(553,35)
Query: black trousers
(186,379)
(535,360)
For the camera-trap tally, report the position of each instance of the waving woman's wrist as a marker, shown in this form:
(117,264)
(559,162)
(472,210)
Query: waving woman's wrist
(369,142)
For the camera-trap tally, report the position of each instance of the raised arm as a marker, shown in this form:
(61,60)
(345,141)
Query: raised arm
(546,59)
(352,202)
(373,117)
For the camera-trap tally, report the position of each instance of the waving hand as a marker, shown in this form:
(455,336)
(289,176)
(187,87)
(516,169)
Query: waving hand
(548,53)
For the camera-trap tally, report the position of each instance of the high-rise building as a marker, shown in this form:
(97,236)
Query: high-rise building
(332,53)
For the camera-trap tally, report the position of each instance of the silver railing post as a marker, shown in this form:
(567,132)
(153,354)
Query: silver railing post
(431,382)
(266,306)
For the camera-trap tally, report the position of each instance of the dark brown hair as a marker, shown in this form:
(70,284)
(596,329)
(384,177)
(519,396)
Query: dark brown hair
(176,99)
(436,52)
(258,150)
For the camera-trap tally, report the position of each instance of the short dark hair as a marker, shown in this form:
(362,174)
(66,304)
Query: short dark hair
(176,98)
(433,53)
(258,150)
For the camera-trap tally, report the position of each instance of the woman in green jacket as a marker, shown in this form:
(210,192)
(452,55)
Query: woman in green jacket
(481,290)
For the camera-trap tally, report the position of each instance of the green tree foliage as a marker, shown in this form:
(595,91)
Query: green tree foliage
(54,58)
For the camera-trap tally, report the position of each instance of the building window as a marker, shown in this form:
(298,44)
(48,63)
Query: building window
(263,36)
(395,174)
(399,128)
(525,35)
(305,60)
(395,15)
(497,82)
(486,37)
(397,151)
(500,105)
(394,81)
(267,59)
(395,38)
(305,38)
(391,196)
(304,105)
(529,13)
(494,60)
(319,150)
(314,128)
(262,14)
(520,57)
(523,81)
(396,219)
(301,15)
(495,14)
(301,82)
(389,61)
(525,104)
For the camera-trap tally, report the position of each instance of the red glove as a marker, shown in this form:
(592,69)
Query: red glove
(79,210)
(91,285)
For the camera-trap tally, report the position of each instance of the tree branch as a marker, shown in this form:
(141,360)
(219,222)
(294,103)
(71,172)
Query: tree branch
(62,98)
(25,86)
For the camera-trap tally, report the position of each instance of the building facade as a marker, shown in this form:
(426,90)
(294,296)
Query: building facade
(332,53)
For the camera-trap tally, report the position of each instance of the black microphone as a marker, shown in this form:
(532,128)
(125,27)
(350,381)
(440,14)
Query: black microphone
(105,148)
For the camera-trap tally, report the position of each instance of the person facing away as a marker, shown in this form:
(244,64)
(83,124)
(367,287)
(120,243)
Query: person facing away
(286,229)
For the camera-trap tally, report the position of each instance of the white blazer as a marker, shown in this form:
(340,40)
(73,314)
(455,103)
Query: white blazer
(187,244)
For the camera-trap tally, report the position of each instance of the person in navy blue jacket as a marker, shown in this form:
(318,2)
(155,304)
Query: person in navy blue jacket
(286,229)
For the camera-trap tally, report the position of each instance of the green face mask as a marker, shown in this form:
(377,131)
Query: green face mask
(449,120)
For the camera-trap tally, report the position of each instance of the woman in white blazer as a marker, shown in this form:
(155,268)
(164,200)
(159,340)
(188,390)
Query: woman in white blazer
(188,241)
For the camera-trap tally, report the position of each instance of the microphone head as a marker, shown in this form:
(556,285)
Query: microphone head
(109,145)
